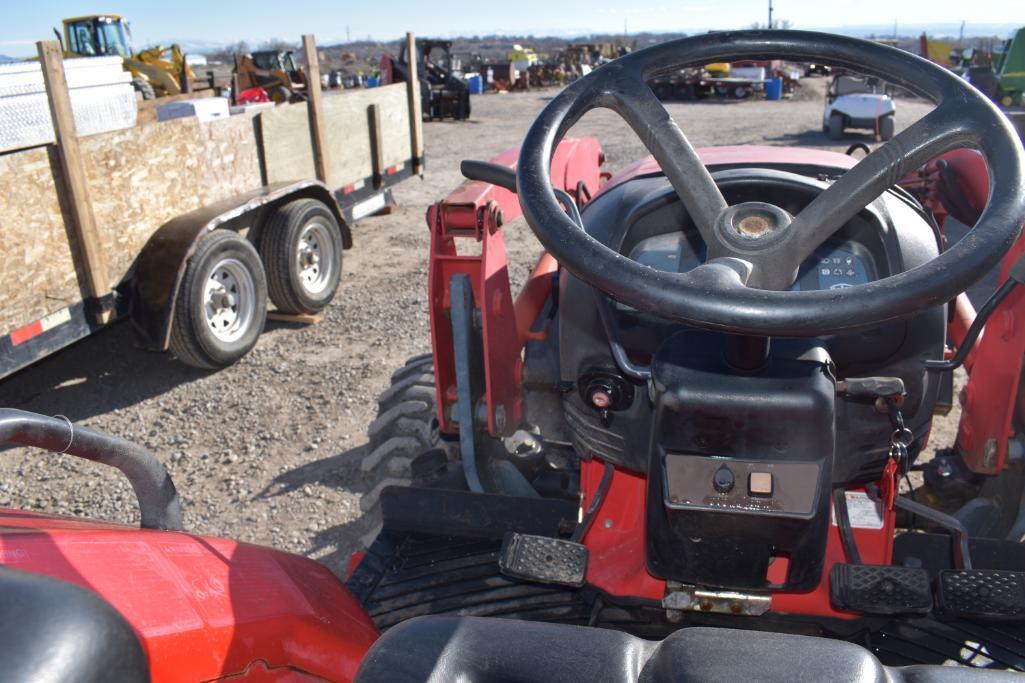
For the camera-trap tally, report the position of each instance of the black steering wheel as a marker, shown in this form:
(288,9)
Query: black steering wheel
(754,248)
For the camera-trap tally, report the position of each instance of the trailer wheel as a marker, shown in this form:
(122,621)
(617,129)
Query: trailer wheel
(886,125)
(663,91)
(836,126)
(301,248)
(221,305)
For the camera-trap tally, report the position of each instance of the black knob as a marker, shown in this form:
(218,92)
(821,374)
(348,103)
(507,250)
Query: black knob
(723,480)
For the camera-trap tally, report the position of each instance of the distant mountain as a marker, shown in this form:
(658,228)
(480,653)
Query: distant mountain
(4,59)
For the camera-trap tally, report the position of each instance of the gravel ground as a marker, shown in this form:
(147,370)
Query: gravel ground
(268,451)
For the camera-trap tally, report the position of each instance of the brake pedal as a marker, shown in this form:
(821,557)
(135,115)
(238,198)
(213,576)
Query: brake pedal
(543,559)
(880,589)
(982,593)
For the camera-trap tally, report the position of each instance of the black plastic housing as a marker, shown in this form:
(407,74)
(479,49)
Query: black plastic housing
(891,233)
(778,420)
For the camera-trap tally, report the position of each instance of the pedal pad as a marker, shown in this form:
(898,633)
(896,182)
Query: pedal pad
(880,589)
(982,594)
(543,559)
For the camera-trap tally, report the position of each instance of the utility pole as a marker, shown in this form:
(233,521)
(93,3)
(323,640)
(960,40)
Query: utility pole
(348,37)
(770,14)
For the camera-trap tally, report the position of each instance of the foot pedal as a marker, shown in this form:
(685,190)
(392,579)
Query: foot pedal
(880,589)
(543,559)
(982,594)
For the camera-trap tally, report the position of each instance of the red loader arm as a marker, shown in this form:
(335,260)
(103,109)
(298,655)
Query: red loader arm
(477,211)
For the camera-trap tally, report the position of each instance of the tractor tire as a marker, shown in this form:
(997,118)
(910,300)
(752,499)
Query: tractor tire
(301,248)
(404,444)
(221,306)
(145,88)
(740,92)
(279,94)
(886,126)
(836,126)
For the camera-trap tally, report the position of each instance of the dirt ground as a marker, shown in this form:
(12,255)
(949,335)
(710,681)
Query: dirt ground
(268,451)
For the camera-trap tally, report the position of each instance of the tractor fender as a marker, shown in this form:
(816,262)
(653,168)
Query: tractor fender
(160,266)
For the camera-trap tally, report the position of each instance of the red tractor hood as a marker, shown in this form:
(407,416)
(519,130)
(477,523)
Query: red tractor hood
(748,155)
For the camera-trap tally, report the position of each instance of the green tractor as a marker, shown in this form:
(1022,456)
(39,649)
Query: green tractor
(1004,81)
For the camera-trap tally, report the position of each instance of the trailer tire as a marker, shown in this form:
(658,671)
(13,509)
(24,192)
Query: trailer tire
(404,443)
(836,126)
(663,91)
(221,306)
(886,126)
(144,87)
(301,248)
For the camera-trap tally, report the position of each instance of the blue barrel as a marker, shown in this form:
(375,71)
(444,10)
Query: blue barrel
(476,83)
(372,81)
(774,88)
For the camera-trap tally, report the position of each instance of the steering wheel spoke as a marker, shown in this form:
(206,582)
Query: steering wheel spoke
(941,130)
(631,98)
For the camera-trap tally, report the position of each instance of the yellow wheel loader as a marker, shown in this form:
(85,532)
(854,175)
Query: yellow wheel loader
(156,72)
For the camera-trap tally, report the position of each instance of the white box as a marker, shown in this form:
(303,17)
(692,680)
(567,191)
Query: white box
(246,108)
(204,108)
(753,73)
(102,99)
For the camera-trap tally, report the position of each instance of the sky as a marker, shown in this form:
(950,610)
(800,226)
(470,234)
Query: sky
(256,21)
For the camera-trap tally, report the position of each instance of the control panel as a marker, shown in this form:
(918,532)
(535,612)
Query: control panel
(698,482)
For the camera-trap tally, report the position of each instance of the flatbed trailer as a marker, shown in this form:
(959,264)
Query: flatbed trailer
(689,85)
(187,228)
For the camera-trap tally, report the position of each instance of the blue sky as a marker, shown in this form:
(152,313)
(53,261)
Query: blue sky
(225,21)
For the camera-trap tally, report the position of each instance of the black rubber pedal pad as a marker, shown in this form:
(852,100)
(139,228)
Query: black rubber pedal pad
(543,559)
(880,589)
(982,594)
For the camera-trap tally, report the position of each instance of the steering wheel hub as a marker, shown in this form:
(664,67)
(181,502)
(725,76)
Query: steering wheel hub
(750,226)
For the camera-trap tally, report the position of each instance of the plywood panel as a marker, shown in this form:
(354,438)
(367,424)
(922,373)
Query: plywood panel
(138,179)
(287,150)
(289,155)
(37,271)
(144,177)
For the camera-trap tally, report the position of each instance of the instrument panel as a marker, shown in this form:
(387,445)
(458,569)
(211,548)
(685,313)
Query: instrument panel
(837,264)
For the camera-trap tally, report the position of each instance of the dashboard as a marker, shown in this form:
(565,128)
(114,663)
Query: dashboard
(837,264)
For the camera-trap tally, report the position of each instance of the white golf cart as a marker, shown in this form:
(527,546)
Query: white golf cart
(855,102)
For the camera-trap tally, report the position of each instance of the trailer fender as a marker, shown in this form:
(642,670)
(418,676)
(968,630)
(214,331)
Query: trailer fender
(160,266)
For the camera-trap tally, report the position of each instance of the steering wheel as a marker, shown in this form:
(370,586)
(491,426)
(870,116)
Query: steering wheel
(755,248)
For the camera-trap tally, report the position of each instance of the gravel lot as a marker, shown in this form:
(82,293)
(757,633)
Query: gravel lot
(268,451)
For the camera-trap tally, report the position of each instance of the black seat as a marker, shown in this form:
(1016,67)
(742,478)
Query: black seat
(443,648)
(52,630)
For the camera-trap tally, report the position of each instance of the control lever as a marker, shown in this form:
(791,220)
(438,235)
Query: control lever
(881,389)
